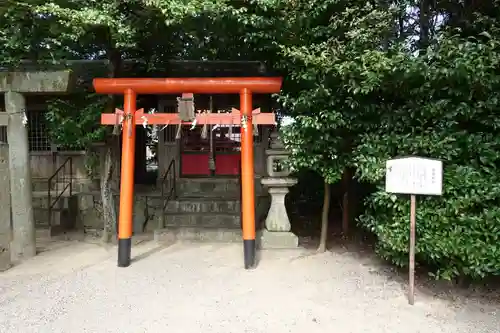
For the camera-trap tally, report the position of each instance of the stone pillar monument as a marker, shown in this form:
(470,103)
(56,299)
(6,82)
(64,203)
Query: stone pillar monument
(277,233)
(5,220)
(15,86)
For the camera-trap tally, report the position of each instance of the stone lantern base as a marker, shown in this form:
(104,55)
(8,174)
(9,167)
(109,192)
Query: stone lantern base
(277,233)
(276,240)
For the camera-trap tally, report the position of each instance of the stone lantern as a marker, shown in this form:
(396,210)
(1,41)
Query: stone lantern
(277,232)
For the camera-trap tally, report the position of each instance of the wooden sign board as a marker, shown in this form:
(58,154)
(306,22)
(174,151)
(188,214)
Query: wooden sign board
(414,175)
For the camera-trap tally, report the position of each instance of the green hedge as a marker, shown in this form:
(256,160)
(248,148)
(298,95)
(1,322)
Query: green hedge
(458,234)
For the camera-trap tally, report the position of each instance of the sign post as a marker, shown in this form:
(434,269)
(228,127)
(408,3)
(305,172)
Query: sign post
(413,176)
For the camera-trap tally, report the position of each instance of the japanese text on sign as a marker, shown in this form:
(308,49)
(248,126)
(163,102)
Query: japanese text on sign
(414,175)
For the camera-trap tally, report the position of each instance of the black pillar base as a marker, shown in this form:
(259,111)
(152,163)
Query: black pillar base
(124,252)
(249,253)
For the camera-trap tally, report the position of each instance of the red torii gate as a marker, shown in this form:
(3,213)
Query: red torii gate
(130,87)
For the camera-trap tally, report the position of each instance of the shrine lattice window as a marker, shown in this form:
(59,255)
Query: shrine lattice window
(38,139)
(38,136)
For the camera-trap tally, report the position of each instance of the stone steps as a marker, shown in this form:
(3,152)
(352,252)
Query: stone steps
(203,205)
(203,212)
(64,213)
(198,234)
(43,185)
(208,188)
(40,199)
(41,215)
(212,203)
(211,220)
(45,232)
(213,187)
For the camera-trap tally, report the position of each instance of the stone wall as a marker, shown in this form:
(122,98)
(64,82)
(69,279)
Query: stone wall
(44,164)
(146,208)
(166,153)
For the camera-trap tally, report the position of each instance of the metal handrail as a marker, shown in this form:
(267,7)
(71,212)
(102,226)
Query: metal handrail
(169,191)
(51,203)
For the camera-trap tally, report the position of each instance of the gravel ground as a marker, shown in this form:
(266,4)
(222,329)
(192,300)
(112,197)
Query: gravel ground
(186,288)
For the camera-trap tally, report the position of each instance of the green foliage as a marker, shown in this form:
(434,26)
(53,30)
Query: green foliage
(360,96)
(74,122)
(364,82)
(24,34)
(447,102)
(92,163)
(336,75)
(88,29)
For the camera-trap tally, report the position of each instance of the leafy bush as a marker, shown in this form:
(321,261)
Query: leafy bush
(448,109)
(360,105)
(75,122)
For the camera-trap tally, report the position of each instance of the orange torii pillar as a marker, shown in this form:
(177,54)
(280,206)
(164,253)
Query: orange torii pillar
(131,117)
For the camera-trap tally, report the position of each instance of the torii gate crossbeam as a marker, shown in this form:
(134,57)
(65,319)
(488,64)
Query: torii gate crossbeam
(130,87)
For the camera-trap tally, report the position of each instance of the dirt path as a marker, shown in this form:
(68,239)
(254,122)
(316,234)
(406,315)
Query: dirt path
(203,288)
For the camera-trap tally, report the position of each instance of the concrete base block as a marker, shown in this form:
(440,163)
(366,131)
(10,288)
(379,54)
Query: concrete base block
(45,232)
(198,234)
(277,240)
(5,262)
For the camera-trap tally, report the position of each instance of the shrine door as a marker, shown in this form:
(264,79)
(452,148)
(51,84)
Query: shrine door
(221,143)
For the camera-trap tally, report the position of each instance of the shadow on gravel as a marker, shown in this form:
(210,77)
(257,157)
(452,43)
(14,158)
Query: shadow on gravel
(361,246)
(150,252)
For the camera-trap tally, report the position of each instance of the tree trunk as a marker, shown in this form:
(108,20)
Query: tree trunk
(346,184)
(108,202)
(324,219)
(424,24)
(401,23)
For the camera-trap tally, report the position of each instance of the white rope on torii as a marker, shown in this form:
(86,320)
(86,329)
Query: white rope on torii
(187,111)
